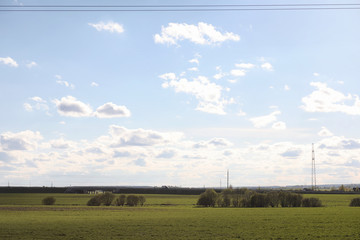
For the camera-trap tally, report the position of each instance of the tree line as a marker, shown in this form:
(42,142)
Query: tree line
(109,198)
(247,198)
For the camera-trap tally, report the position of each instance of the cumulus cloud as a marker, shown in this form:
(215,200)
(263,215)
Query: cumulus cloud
(286,88)
(140,137)
(324,132)
(25,140)
(214,142)
(112,27)
(208,93)
(291,153)
(238,72)
(61,143)
(263,121)
(8,61)
(203,33)
(267,66)
(94,84)
(71,107)
(245,65)
(335,142)
(36,103)
(111,110)
(31,64)
(194,60)
(169,153)
(326,99)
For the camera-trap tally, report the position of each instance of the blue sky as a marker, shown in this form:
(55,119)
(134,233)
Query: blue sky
(176,98)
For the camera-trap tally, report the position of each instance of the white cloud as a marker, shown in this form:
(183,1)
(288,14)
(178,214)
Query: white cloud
(194,60)
(194,69)
(9,61)
(267,66)
(123,137)
(203,33)
(264,121)
(31,64)
(324,132)
(208,93)
(65,83)
(238,72)
(286,88)
(94,84)
(316,74)
(36,103)
(245,65)
(25,140)
(109,26)
(279,126)
(214,142)
(111,110)
(69,106)
(326,99)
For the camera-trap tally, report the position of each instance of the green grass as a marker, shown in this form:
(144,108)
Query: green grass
(173,217)
(81,199)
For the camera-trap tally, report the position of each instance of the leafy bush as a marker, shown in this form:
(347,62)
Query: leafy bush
(142,200)
(290,199)
(207,198)
(355,202)
(311,202)
(132,200)
(107,198)
(120,201)
(94,201)
(48,201)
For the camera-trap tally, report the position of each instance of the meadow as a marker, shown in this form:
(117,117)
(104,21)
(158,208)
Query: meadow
(172,217)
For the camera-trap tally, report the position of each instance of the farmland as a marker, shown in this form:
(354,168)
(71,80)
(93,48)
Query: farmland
(172,217)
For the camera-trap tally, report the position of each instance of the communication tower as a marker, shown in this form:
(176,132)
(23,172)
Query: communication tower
(313,170)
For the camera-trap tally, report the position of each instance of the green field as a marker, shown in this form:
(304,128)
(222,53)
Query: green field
(172,217)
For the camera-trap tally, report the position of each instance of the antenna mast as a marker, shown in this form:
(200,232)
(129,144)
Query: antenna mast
(227,178)
(313,170)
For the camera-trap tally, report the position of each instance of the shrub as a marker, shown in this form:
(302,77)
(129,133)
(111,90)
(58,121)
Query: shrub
(107,198)
(355,202)
(94,201)
(132,200)
(207,198)
(48,201)
(142,200)
(120,201)
(311,202)
(290,199)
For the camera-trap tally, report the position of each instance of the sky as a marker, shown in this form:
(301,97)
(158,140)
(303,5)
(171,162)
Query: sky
(177,98)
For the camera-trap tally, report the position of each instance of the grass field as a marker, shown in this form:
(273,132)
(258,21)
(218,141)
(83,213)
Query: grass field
(172,217)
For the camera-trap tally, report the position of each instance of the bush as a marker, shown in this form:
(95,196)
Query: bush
(142,200)
(132,200)
(311,202)
(94,201)
(48,201)
(120,201)
(355,202)
(107,198)
(207,198)
(290,199)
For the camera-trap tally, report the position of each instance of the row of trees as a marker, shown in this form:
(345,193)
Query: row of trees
(247,198)
(109,198)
